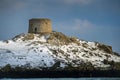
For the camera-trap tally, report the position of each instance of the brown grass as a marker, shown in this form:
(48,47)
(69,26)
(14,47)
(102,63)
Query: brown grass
(29,36)
(106,48)
(61,39)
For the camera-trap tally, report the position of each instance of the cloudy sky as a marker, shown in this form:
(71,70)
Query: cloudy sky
(91,20)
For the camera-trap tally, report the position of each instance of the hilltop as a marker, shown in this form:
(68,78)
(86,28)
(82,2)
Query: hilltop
(55,51)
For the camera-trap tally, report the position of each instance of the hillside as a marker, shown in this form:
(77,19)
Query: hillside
(56,51)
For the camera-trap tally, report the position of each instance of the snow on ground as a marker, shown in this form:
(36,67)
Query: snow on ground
(18,53)
(34,54)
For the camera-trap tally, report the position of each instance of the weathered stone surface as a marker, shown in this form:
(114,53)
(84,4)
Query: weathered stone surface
(40,25)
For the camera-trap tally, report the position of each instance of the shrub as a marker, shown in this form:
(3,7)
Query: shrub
(114,65)
(54,51)
(6,68)
(105,48)
(60,39)
(17,68)
(55,66)
(29,36)
(61,51)
(105,61)
(117,54)
(75,50)
(85,45)
(74,40)
(87,66)
(117,65)
(90,53)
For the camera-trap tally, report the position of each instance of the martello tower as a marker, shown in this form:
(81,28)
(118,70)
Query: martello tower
(40,25)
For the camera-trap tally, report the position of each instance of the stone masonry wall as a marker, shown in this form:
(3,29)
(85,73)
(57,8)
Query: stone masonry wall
(41,25)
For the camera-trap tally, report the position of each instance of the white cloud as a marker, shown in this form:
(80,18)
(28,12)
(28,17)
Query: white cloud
(19,5)
(76,26)
(83,2)
(82,25)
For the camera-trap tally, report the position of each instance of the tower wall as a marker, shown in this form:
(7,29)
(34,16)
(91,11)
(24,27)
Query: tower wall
(41,25)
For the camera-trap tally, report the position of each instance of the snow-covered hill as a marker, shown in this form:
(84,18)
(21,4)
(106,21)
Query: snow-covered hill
(46,50)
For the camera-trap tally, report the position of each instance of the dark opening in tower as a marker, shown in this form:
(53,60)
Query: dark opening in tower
(35,30)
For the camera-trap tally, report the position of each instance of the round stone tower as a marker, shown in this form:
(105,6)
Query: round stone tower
(40,25)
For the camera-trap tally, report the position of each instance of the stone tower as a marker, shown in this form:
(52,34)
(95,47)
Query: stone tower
(40,25)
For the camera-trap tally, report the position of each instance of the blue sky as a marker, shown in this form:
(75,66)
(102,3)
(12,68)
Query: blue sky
(91,20)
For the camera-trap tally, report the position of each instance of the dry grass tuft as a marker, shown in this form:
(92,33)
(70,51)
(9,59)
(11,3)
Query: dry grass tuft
(29,36)
(59,38)
(106,48)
